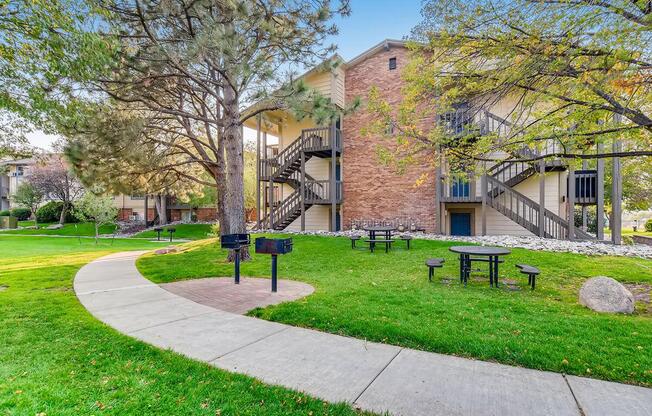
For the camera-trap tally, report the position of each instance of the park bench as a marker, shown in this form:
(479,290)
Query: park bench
(372,244)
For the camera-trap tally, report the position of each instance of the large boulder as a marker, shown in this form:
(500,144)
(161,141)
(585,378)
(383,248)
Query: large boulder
(54,227)
(604,294)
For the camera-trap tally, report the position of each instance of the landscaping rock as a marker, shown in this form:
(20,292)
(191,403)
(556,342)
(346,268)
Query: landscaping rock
(54,227)
(528,242)
(604,294)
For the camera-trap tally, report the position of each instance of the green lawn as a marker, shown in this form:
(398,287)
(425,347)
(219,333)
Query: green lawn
(387,298)
(56,359)
(184,231)
(84,229)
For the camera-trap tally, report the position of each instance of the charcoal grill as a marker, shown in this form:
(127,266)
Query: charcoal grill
(235,242)
(274,246)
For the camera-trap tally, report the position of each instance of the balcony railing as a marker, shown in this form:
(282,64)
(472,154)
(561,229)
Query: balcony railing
(319,192)
(586,186)
(459,188)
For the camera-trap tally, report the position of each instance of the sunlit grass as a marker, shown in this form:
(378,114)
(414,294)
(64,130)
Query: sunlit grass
(56,359)
(387,298)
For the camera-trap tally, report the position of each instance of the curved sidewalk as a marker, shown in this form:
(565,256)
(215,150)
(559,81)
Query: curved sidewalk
(371,376)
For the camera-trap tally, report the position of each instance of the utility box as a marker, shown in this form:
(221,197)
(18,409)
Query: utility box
(273,246)
(8,222)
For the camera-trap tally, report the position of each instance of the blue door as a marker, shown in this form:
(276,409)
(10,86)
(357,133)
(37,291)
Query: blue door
(461,224)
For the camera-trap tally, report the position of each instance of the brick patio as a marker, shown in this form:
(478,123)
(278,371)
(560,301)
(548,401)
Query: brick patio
(221,293)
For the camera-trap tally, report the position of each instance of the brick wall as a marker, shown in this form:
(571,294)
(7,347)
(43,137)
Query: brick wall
(206,214)
(124,214)
(373,190)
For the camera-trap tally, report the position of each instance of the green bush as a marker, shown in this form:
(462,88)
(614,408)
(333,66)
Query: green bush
(648,225)
(22,214)
(5,213)
(591,219)
(51,212)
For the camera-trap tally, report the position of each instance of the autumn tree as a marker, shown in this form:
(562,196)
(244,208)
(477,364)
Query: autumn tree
(53,178)
(577,73)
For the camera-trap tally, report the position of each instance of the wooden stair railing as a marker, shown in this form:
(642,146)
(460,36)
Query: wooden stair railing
(525,212)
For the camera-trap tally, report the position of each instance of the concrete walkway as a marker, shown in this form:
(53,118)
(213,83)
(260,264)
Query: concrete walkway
(371,376)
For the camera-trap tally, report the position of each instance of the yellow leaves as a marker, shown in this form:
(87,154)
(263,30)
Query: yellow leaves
(421,179)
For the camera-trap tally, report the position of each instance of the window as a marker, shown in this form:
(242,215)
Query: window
(392,63)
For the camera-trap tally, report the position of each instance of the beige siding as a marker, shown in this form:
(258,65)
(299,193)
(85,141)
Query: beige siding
(338,88)
(552,197)
(321,81)
(317,219)
(291,130)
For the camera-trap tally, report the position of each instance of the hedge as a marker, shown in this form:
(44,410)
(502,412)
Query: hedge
(22,214)
(51,212)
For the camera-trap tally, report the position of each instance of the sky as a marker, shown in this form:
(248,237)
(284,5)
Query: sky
(370,22)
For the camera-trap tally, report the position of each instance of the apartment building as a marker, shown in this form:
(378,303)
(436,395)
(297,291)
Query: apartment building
(13,174)
(330,177)
(130,207)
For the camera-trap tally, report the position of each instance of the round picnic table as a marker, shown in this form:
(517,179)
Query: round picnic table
(384,229)
(387,229)
(493,258)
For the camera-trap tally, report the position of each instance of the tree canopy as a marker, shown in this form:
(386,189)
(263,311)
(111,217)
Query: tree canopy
(575,73)
(46,47)
(185,80)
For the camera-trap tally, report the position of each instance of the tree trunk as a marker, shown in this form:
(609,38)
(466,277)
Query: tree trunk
(163,214)
(160,202)
(64,211)
(97,232)
(234,203)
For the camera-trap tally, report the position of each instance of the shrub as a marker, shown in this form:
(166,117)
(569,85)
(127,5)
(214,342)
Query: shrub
(648,225)
(21,213)
(591,219)
(51,212)
(5,213)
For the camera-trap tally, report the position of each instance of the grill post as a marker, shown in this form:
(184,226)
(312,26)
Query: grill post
(274,275)
(237,266)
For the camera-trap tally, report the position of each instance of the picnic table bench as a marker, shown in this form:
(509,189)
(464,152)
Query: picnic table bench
(373,242)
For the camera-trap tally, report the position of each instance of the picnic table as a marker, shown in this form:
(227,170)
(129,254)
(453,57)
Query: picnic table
(492,255)
(386,230)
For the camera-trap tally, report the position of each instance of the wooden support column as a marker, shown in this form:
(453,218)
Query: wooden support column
(485,190)
(438,203)
(599,197)
(542,198)
(584,184)
(616,197)
(302,189)
(258,213)
(571,202)
(333,190)
(145,211)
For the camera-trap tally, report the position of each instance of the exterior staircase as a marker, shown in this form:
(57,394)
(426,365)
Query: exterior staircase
(286,168)
(499,181)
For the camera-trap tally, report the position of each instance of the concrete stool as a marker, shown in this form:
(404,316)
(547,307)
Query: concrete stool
(432,263)
(531,272)
(354,238)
